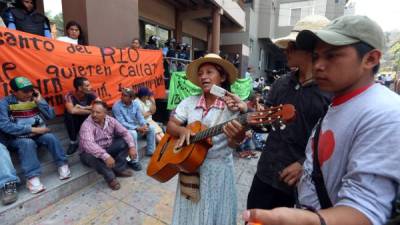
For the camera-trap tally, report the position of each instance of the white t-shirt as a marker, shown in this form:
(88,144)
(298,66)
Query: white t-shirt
(68,40)
(145,107)
(359,152)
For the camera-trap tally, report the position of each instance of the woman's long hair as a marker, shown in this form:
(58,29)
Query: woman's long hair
(20,5)
(81,37)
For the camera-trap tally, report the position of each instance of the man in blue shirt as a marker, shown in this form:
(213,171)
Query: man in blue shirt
(22,120)
(128,113)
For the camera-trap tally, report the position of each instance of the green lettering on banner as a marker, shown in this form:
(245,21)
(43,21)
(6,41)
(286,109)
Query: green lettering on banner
(242,87)
(181,88)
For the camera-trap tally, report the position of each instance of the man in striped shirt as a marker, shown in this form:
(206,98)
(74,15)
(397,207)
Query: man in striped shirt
(104,145)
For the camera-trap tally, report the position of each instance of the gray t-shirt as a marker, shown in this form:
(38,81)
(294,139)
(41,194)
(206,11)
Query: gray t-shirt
(359,152)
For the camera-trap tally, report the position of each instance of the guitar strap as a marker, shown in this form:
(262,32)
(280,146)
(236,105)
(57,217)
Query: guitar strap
(190,182)
(317,175)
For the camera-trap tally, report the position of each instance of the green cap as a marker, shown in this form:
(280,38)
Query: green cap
(345,30)
(21,83)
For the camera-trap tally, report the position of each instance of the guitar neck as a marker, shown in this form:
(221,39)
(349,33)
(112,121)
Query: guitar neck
(215,130)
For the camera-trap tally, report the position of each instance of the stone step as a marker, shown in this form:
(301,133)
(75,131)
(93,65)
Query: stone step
(57,127)
(29,204)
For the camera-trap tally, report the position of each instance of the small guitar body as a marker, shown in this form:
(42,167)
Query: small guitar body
(167,161)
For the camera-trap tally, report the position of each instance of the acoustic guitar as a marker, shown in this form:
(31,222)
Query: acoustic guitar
(167,160)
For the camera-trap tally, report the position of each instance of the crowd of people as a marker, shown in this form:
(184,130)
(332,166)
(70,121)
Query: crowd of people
(335,164)
(105,143)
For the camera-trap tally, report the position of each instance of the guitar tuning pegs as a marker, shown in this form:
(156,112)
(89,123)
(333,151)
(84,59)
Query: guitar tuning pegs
(282,126)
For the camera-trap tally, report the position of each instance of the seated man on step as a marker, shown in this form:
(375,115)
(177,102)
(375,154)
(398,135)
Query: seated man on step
(104,145)
(22,117)
(128,113)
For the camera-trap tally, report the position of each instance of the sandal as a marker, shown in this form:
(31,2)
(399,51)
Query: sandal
(245,154)
(253,154)
(114,185)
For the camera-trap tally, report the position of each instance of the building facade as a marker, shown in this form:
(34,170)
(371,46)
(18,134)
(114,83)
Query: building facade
(267,20)
(198,23)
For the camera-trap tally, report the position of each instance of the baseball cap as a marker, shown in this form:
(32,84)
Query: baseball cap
(313,22)
(128,91)
(21,83)
(345,30)
(144,91)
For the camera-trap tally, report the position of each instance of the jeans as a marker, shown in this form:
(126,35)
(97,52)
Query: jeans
(27,147)
(118,150)
(73,124)
(150,139)
(7,171)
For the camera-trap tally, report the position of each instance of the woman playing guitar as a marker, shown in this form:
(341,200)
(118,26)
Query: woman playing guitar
(208,197)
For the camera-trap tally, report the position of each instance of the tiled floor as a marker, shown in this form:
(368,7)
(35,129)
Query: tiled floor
(141,200)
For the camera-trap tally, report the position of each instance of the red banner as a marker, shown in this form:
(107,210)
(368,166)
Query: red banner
(52,65)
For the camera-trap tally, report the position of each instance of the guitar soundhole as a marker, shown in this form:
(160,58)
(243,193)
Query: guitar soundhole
(164,147)
(177,150)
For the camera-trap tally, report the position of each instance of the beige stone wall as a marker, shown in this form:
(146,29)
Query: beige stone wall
(157,11)
(75,10)
(195,29)
(112,23)
(107,23)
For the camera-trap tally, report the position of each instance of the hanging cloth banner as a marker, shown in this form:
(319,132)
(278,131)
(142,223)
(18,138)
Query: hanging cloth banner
(242,87)
(180,88)
(52,66)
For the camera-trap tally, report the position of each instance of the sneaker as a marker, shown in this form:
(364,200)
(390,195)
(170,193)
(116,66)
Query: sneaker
(136,166)
(64,172)
(72,148)
(34,185)
(10,194)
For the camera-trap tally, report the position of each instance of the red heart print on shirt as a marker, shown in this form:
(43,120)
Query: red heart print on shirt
(326,146)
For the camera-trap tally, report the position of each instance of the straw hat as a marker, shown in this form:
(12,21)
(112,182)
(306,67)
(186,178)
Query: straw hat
(193,68)
(313,22)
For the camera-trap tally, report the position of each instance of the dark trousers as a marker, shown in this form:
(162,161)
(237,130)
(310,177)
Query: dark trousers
(73,124)
(118,150)
(264,196)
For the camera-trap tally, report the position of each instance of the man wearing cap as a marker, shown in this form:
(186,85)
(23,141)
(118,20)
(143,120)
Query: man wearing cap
(22,116)
(358,144)
(128,113)
(280,164)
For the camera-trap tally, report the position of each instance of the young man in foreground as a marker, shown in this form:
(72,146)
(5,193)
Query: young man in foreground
(358,143)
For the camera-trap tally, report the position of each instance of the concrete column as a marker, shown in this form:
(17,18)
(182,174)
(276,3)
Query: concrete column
(107,23)
(209,40)
(75,10)
(216,30)
(40,6)
(178,27)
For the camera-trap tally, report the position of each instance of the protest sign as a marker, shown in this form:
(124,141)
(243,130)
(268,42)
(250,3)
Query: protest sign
(180,88)
(52,65)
